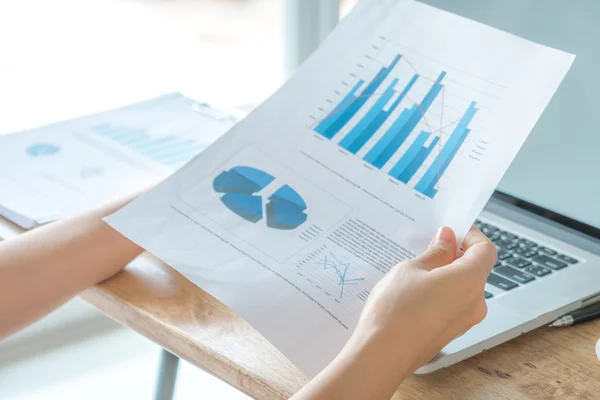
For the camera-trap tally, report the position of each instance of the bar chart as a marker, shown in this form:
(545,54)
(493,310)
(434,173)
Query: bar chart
(168,150)
(390,125)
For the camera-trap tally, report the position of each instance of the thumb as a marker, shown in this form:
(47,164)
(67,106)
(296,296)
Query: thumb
(442,250)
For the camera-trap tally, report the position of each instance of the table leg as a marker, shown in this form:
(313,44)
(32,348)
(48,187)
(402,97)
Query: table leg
(167,376)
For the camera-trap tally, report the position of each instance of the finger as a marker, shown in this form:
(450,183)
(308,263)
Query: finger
(442,251)
(473,237)
(480,253)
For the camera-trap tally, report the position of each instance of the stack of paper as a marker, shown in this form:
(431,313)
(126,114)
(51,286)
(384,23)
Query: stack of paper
(61,169)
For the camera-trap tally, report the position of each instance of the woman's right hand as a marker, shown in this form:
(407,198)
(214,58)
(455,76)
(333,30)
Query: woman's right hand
(429,300)
(412,313)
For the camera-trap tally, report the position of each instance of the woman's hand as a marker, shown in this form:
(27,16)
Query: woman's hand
(431,299)
(411,314)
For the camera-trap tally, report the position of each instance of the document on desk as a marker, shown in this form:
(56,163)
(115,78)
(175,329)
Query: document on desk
(68,167)
(404,120)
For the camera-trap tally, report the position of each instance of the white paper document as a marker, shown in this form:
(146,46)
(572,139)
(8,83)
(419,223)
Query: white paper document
(403,121)
(68,167)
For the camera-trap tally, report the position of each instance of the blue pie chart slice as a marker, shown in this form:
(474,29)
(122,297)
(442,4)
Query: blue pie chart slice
(230,182)
(260,178)
(286,193)
(241,180)
(286,209)
(246,206)
(282,216)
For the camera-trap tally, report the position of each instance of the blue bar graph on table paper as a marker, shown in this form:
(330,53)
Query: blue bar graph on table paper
(330,129)
(111,132)
(176,145)
(325,124)
(104,129)
(168,150)
(410,154)
(372,121)
(402,128)
(410,170)
(427,183)
(133,137)
(154,143)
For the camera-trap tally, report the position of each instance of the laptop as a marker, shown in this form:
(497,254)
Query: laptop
(545,215)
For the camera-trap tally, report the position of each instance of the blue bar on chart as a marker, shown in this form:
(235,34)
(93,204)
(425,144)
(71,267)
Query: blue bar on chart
(417,162)
(391,141)
(347,109)
(348,141)
(167,150)
(375,117)
(427,183)
(121,135)
(156,143)
(176,146)
(414,157)
(346,102)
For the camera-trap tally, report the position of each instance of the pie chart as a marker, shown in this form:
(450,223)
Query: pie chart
(42,149)
(241,187)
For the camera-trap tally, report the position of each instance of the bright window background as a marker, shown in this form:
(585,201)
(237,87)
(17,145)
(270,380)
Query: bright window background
(60,59)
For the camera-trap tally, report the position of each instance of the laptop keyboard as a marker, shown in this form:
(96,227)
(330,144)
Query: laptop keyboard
(520,261)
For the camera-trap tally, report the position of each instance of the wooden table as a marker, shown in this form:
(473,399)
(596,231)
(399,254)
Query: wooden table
(162,305)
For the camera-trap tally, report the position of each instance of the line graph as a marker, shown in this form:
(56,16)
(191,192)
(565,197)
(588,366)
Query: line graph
(331,263)
(409,119)
(334,279)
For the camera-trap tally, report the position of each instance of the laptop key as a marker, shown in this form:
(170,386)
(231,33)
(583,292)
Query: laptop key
(505,244)
(549,262)
(500,282)
(518,262)
(538,271)
(498,264)
(487,295)
(548,251)
(514,274)
(566,259)
(508,236)
(490,228)
(489,231)
(503,255)
(525,252)
(527,243)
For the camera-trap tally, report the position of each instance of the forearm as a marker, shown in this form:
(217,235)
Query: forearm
(367,368)
(44,268)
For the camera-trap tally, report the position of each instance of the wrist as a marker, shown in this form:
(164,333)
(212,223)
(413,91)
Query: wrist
(384,362)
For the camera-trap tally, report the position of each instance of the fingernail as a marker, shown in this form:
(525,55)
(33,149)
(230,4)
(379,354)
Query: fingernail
(444,236)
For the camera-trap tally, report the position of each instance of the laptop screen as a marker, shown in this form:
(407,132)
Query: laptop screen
(558,168)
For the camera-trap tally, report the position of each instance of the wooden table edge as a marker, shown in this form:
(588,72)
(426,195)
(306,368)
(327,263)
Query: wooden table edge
(110,306)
